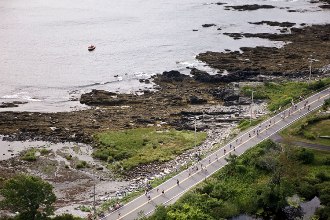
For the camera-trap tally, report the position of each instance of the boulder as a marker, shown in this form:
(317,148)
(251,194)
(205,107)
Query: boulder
(208,25)
(172,75)
(194,100)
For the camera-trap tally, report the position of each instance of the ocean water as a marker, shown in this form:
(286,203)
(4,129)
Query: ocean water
(44,58)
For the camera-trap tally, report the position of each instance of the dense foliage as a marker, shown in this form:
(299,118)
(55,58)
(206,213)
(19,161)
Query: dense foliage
(32,197)
(258,183)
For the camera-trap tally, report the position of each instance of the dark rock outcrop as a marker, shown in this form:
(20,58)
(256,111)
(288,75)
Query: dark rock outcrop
(274,23)
(194,100)
(11,104)
(249,7)
(101,97)
(202,76)
(172,75)
(225,94)
(208,25)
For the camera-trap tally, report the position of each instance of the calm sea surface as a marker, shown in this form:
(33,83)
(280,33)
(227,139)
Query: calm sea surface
(43,50)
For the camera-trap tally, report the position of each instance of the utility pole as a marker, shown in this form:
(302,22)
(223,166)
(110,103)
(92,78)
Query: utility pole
(94,200)
(310,68)
(195,131)
(251,106)
(94,207)
(310,71)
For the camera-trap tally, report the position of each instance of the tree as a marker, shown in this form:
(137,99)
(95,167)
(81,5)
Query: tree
(30,196)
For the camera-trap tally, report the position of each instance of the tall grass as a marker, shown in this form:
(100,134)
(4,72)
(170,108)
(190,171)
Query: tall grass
(129,148)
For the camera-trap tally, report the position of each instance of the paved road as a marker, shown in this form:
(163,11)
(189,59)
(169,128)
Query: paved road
(215,161)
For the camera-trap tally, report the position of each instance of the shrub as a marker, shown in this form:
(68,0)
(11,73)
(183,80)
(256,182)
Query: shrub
(81,164)
(160,213)
(102,154)
(30,155)
(323,213)
(309,135)
(322,176)
(317,85)
(305,156)
(66,217)
(326,104)
(326,161)
(267,163)
(306,190)
(68,157)
(44,151)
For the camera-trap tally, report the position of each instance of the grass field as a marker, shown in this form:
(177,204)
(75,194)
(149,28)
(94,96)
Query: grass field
(127,149)
(309,130)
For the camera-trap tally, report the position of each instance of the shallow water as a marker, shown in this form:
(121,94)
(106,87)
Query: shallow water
(44,58)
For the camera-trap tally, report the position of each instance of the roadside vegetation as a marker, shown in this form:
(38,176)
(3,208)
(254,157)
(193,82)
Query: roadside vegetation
(280,95)
(126,149)
(315,128)
(261,183)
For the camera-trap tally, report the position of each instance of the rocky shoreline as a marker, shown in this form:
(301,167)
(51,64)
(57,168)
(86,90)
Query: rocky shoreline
(291,60)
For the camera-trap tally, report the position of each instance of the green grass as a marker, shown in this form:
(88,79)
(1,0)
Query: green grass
(309,129)
(44,151)
(281,94)
(258,183)
(319,164)
(30,155)
(129,148)
(81,164)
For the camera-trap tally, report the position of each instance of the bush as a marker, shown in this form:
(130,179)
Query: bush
(305,156)
(84,208)
(322,177)
(30,155)
(326,161)
(68,156)
(309,135)
(317,85)
(323,213)
(6,218)
(66,217)
(160,213)
(44,151)
(102,154)
(267,163)
(307,191)
(81,164)
(326,104)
